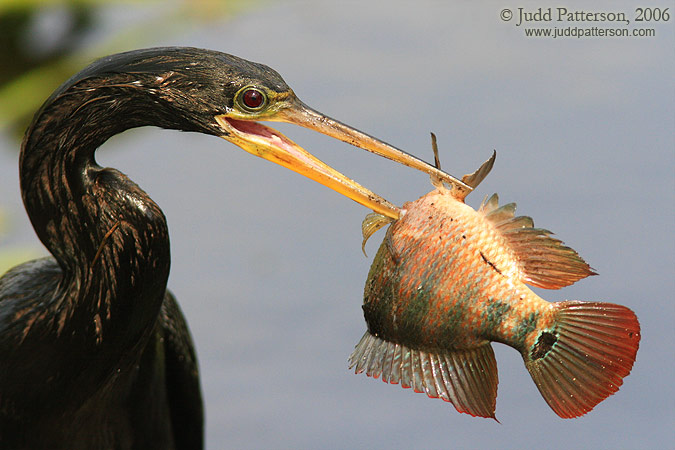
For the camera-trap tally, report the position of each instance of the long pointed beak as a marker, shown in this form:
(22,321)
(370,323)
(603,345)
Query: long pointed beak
(301,114)
(270,144)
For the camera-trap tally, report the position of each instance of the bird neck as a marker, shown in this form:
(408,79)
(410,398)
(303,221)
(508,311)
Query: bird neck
(108,236)
(58,172)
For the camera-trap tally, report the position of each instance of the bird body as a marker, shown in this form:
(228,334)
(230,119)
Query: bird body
(94,351)
(89,338)
(447,280)
(85,396)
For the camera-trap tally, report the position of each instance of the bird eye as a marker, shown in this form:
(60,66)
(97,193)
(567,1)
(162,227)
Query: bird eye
(252,99)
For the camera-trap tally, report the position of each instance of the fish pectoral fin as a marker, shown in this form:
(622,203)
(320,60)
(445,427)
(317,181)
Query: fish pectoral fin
(371,223)
(544,261)
(466,378)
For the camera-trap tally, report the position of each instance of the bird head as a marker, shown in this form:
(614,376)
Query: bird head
(227,96)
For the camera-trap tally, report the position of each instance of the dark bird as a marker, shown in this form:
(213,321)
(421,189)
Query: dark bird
(94,351)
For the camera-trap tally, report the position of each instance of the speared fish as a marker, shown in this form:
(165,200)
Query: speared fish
(448,280)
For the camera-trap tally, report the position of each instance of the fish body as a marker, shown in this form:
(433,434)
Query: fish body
(448,280)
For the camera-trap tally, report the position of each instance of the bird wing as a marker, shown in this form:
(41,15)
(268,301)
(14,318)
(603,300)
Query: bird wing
(182,377)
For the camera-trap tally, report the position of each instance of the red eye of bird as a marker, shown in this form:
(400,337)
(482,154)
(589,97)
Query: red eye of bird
(253,98)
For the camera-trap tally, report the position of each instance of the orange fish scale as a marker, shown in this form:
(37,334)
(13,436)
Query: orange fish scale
(447,280)
(465,246)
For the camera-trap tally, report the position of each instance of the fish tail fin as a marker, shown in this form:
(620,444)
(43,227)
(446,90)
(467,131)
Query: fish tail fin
(584,356)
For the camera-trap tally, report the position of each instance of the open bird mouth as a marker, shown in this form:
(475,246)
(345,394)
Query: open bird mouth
(270,144)
(264,137)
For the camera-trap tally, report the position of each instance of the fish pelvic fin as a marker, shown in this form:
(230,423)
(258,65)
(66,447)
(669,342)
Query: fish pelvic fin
(544,261)
(475,178)
(583,358)
(466,378)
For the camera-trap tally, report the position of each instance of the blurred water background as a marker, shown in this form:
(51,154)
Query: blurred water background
(268,266)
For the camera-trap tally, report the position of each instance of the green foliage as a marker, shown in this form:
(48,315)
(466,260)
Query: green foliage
(35,60)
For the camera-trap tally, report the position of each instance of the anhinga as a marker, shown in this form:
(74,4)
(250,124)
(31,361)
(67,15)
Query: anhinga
(94,351)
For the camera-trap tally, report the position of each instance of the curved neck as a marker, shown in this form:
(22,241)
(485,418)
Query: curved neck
(58,172)
(108,236)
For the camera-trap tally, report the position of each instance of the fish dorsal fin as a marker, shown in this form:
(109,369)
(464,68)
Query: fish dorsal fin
(544,261)
(466,378)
